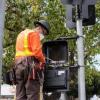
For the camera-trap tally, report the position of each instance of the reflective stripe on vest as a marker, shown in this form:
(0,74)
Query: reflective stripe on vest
(26,51)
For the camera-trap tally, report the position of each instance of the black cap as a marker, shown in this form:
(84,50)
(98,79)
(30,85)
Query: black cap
(44,24)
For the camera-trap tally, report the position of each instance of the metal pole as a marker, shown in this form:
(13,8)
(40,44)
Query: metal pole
(63,96)
(2,17)
(81,69)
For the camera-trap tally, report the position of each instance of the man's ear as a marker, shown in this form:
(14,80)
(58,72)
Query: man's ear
(40,28)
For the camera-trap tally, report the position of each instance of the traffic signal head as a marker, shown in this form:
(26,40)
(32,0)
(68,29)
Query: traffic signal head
(87,12)
(77,2)
(66,2)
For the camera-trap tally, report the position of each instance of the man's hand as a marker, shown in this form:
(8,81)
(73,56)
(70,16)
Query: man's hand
(42,65)
(39,66)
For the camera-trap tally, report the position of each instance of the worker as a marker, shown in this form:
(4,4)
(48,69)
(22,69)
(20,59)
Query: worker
(29,60)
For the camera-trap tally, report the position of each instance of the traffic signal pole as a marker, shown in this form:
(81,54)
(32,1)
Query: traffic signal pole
(84,10)
(63,95)
(2,16)
(80,52)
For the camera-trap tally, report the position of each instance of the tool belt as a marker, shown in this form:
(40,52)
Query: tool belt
(32,67)
(9,77)
(31,72)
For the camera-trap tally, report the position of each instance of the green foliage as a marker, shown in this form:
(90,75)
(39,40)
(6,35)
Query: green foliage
(92,37)
(8,58)
(92,81)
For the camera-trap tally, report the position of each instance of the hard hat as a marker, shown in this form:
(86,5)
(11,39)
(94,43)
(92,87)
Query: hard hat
(44,24)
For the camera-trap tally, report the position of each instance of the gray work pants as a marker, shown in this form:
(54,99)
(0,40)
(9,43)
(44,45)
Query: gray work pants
(26,89)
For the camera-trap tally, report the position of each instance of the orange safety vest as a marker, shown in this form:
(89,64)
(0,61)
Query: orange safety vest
(28,44)
(26,51)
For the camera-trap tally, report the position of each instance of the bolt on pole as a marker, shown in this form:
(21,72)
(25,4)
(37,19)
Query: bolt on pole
(2,17)
(80,51)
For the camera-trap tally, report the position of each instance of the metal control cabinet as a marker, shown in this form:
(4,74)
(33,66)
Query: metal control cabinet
(56,73)
(56,79)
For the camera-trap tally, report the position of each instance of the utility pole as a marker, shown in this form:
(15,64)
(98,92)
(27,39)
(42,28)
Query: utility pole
(80,13)
(80,52)
(2,17)
(63,96)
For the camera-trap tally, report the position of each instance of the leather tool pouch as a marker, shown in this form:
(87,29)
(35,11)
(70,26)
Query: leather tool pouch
(9,77)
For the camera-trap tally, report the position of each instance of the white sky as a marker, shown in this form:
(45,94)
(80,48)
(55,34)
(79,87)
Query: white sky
(97,58)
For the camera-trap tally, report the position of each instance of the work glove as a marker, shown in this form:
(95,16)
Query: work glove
(39,66)
(42,66)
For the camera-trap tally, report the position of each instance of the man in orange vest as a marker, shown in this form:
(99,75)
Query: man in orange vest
(29,60)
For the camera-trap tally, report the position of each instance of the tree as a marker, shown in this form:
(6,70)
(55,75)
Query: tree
(92,81)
